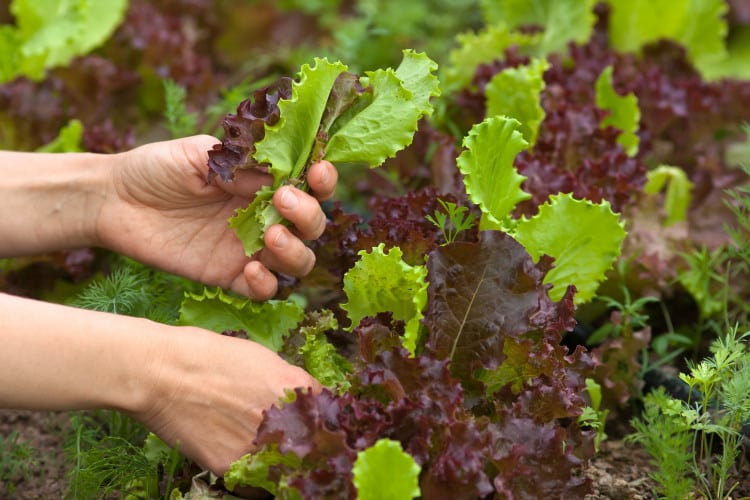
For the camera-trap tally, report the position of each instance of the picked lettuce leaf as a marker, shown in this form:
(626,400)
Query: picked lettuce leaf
(562,21)
(584,238)
(385,470)
(381,282)
(515,92)
(491,180)
(287,144)
(624,112)
(387,124)
(334,115)
(264,322)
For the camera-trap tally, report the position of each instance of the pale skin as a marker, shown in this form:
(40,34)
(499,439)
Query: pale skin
(197,390)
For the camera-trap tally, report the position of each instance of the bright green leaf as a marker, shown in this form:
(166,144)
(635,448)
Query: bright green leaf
(385,472)
(562,21)
(699,25)
(624,112)
(483,47)
(252,469)
(515,92)
(67,141)
(386,125)
(264,322)
(251,223)
(287,144)
(321,359)
(52,32)
(492,181)
(583,237)
(678,197)
(381,282)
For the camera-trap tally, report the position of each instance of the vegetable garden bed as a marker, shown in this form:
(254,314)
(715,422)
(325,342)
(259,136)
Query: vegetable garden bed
(534,278)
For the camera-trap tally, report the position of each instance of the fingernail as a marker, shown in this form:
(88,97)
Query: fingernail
(280,240)
(324,176)
(258,276)
(289,200)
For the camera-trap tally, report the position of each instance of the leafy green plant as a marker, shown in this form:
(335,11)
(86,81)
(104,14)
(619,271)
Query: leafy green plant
(180,121)
(51,32)
(666,436)
(684,436)
(452,221)
(16,460)
(595,416)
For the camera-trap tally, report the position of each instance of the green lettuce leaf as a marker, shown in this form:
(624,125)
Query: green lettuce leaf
(562,21)
(478,48)
(583,237)
(264,322)
(492,181)
(678,197)
(515,92)
(252,469)
(52,32)
(387,124)
(252,222)
(287,144)
(385,470)
(67,141)
(382,282)
(699,25)
(320,356)
(624,112)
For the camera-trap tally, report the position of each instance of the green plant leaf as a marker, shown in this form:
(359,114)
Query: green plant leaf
(252,469)
(583,237)
(320,356)
(286,145)
(52,32)
(478,48)
(562,21)
(400,99)
(264,322)
(67,141)
(381,282)
(678,195)
(624,112)
(491,180)
(515,92)
(252,222)
(699,25)
(386,471)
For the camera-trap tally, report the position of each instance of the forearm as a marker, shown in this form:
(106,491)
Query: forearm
(55,357)
(50,201)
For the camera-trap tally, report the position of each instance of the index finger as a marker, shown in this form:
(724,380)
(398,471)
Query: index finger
(322,178)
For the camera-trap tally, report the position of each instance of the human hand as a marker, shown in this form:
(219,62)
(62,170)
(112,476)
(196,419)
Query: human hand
(163,213)
(208,393)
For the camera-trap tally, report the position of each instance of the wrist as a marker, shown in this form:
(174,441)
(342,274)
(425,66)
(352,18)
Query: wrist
(52,200)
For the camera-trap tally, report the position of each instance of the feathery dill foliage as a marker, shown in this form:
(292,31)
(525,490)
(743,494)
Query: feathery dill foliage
(682,437)
(16,459)
(134,289)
